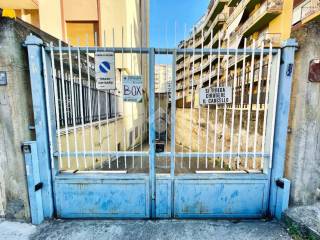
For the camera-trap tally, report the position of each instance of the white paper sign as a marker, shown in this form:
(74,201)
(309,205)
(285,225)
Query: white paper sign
(105,70)
(132,88)
(215,95)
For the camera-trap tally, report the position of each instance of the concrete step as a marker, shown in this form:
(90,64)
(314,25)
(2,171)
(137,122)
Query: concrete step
(303,222)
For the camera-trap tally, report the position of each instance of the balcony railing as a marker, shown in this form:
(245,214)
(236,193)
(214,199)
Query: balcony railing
(216,9)
(269,6)
(310,8)
(220,18)
(241,6)
(274,38)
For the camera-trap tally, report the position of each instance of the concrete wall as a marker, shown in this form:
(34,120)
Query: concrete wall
(183,130)
(303,148)
(15,117)
(108,143)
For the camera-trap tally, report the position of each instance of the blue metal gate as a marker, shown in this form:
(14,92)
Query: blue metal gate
(101,157)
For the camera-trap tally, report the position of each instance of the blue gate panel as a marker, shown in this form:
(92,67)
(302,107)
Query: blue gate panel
(163,198)
(220,198)
(102,198)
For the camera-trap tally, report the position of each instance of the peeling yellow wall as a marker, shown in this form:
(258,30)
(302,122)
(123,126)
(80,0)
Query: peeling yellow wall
(282,23)
(50,17)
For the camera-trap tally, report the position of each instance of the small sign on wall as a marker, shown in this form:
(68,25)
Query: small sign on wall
(314,70)
(105,70)
(132,88)
(3,78)
(215,95)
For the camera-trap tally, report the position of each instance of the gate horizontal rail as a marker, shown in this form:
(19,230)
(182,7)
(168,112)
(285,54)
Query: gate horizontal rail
(162,154)
(189,51)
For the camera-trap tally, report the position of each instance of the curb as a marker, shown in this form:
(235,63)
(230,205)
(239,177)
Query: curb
(296,227)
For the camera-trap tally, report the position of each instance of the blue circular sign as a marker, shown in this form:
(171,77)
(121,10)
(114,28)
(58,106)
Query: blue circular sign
(104,67)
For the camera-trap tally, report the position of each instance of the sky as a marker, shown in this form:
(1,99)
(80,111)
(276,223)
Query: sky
(173,15)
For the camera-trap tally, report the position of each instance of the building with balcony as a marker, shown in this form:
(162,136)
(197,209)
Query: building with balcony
(305,11)
(102,23)
(232,24)
(80,20)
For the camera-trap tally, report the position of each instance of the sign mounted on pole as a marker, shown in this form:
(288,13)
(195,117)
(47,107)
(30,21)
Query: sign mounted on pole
(215,95)
(105,70)
(132,88)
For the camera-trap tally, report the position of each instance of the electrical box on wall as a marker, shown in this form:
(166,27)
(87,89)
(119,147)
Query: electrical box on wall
(314,70)
(3,78)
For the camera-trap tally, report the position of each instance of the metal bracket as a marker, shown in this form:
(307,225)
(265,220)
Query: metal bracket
(280,183)
(38,186)
(26,148)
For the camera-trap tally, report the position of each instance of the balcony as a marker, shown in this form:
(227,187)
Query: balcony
(205,64)
(310,11)
(267,38)
(243,5)
(214,43)
(214,11)
(214,27)
(233,3)
(213,74)
(261,17)
(216,24)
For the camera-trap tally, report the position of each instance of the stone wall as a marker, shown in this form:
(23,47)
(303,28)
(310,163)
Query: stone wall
(15,117)
(303,146)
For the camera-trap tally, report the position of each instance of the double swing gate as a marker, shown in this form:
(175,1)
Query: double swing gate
(200,149)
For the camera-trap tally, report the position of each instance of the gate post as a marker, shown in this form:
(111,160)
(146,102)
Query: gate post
(34,46)
(152,136)
(277,186)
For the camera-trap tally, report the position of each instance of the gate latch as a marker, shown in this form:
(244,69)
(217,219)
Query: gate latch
(38,186)
(280,183)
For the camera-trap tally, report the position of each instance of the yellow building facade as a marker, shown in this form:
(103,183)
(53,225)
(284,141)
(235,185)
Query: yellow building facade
(103,23)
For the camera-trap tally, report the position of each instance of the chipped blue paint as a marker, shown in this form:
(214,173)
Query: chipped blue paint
(282,198)
(281,124)
(34,46)
(164,197)
(122,196)
(33,178)
(215,198)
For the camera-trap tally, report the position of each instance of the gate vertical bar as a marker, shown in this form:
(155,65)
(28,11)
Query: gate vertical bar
(152,136)
(173,114)
(34,46)
(49,77)
(278,150)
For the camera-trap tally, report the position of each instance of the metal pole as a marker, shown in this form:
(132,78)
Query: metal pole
(152,136)
(281,120)
(173,114)
(34,46)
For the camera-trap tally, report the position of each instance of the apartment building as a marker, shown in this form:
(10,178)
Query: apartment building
(79,20)
(233,24)
(103,23)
